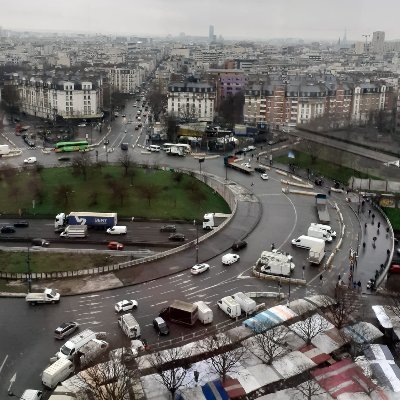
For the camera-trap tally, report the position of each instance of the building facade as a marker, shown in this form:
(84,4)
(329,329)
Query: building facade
(125,80)
(192,101)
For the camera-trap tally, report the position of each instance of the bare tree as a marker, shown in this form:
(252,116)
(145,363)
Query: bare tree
(10,98)
(119,191)
(62,194)
(225,354)
(269,344)
(15,192)
(157,100)
(309,327)
(126,162)
(149,192)
(172,367)
(111,380)
(81,164)
(395,305)
(308,390)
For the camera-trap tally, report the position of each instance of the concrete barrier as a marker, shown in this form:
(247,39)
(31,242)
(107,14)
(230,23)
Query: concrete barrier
(303,185)
(280,279)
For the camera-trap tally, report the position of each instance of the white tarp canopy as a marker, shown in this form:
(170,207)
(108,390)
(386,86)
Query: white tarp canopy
(292,364)
(382,317)
(363,332)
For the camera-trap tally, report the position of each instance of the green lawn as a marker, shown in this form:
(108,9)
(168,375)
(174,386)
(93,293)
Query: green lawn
(394,217)
(147,193)
(321,167)
(53,262)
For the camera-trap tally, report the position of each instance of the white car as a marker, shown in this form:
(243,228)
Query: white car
(264,177)
(126,305)
(246,164)
(82,125)
(199,268)
(30,160)
(230,258)
(251,148)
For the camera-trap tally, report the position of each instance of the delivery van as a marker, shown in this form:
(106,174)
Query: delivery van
(117,230)
(230,306)
(57,372)
(319,233)
(247,304)
(70,348)
(129,326)
(31,394)
(326,228)
(306,242)
(204,312)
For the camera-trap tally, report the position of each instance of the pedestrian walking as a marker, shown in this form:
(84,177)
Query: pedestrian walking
(379,224)
(252,184)
(363,245)
(369,213)
(272,246)
(377,232)
(339,277)
(374,239)
(329,192)
(321,279)
(373,215)
(365,226)
(359,286)
(354,285)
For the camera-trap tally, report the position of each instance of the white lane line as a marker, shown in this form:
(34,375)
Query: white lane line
(182,283)
(189,289)
(157,304)
(4,361)
(92,323)
(175,276)
(82,319)
(89,313)
(89,296)
(186,286)
(154,287)
(111,297)
(142,298)
(89,304)
(71,311)
(168,291)
(216,285)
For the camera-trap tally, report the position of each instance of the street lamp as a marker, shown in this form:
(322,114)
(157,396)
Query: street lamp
(28,266)
(197,240)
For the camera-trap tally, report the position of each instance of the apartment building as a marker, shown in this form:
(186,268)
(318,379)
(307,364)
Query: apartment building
(48,98)
(192,100)
(125,80)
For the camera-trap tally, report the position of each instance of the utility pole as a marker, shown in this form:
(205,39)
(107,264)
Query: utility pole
(28,266)
(197,240)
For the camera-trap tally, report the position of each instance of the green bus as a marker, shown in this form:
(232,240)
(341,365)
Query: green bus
(71,146)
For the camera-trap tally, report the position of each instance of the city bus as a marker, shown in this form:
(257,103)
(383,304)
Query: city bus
(71,146)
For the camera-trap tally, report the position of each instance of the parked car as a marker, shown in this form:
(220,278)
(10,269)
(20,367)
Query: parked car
(64,158)
(65,329)
(168,228)
(177,237)
(251,148)
(239,244)
(7,229)
(126,305)
(124,146)
(394,269)
(21,224)
(264,177)
(115,246)
(230,258)
(199,268)
(40,242)
(160,326)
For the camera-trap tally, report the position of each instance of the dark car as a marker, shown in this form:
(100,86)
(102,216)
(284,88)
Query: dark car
(40,242)
(7,229)
(124,146)
(65,329)
(239,244)
(21,224)
(168,228)
(29,141)
(160,326)
(64,158)
(177,237)
(260,169)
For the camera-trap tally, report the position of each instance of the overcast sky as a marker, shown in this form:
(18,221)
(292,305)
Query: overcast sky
(247,19)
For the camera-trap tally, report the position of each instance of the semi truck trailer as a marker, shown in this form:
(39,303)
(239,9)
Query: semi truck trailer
(90,219)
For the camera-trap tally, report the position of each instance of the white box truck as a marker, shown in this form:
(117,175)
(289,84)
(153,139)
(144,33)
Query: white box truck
(4,149)
(74,231)
(129,326)
(70,348)
(57,372)
(31,394)
(230,306)
(319,233)
(204,312)
(306,242)
(247,304)
(317,252)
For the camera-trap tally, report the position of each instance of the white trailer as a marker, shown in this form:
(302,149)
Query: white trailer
(77,231)
(317,252)
(204,312)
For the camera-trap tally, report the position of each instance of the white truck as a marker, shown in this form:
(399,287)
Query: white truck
(319,233)
(57,372)
(275,263)
(47,296)
(230,306)
(210,219)
(316,252)
(204,312)
(73,345)
(247,304)
(4,149)
(75,231)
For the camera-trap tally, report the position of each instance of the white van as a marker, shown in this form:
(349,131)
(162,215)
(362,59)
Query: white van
(30,160)
(117,230)
(319,233)
(129,326)
(247,304)
(69,349)
(154,148)
(204,312)
(306,242)
(230,306)
(31,394)
(326,228)
(57,372)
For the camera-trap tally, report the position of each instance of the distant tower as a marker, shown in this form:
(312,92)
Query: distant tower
(211,33)
(345,37)
(378,41)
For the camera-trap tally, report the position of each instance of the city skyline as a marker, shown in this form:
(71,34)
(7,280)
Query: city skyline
(231,19)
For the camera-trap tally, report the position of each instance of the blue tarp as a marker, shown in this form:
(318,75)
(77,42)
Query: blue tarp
(214,391)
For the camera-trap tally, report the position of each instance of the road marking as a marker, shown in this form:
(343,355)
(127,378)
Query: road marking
(157,304)
(89,296)
(142,298)
(82,319)
(2,365)
(89,313)
(91,323)
(229,280)
(189,289)
(184,282)
(12,380)
(89,304)
(111,297)
(153,287)
(168,291)
(176,276)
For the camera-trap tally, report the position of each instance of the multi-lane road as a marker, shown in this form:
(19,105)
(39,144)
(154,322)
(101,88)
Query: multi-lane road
(27,334)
